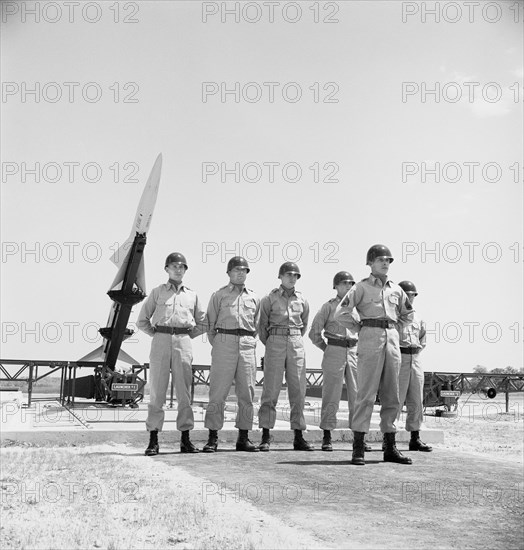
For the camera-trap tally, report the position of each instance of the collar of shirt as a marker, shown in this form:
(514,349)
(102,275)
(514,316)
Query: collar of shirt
(375,280)
(232,287)
(171,286)
(282,291)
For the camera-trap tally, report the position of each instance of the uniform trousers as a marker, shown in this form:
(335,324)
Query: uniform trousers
(170,354)
(233,358)
(339,364)
(284,354)
(378,366)
(411,388)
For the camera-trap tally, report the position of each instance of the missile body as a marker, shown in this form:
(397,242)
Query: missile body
(128,287)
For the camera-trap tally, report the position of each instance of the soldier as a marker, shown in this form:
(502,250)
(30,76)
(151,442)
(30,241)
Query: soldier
(340,358)
(284,316)
(232,316)
(383,307)
(172,315)
(411,378)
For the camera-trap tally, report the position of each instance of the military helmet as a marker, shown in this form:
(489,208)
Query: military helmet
(289,267)
(176,257)
(408,286)
(342,276)
(377,251)
(237,261)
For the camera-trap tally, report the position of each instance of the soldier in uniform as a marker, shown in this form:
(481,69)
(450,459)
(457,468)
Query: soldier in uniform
(411,378)
(232,317)
(340,358)
(284,315)
(384,309)
(172,315)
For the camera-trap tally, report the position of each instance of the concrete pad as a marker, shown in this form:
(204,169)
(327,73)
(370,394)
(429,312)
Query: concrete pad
(90,423)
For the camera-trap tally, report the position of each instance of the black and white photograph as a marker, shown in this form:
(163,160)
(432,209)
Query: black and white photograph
(262,277)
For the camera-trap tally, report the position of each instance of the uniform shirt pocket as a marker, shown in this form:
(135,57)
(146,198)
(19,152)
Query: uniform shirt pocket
(164,309)
(392,299)
(183,316)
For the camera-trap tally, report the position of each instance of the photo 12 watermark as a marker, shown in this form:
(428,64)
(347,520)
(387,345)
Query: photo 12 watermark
(461,172)
(53,492)
(269,492)
(471,332)
(270,12)
(70,92)
(462,12)
(54,332)
(464,493)
(465,252)
(71,12)
(270,251)
(70,171)
(270,172)
(270,92)
(52,414)
(54,252)
(455,92)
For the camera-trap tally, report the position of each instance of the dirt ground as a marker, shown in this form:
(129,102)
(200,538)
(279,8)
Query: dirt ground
(467,494)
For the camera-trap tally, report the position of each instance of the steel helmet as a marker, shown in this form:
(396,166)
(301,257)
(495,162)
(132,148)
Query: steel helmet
(342,276)
(176,257)
(289,267)
(408,286)
(237,261)
(377,251)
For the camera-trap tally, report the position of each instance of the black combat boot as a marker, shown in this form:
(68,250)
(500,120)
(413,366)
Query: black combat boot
(243,443)
(212,442)
(415,444)
(300,444)
(326,441)
(358,449)
(152,448)
(392,454)
(266,439)
(185,444)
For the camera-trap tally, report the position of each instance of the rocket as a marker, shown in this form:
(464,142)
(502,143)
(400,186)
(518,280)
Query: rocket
(129,285)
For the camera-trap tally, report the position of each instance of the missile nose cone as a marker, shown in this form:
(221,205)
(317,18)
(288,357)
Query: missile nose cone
(148,199)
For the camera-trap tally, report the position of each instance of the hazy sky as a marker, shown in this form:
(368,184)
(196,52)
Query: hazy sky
(345,123)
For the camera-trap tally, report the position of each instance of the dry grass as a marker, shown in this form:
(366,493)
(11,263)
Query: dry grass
(483,427)
(104,497)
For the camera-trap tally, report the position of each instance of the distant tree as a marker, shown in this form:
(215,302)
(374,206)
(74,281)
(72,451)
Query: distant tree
(506,370)
(480,369)
(511,370)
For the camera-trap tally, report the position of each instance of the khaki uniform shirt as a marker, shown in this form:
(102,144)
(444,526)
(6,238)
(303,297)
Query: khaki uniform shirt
(374,300)
(325,321)
(413,335)
(229,309)
(277,310)
(169,307)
